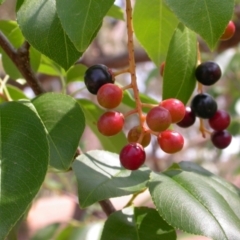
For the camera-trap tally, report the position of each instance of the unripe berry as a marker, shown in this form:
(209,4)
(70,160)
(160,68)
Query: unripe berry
(175,107)
(170,141)
(203,105)
(158,119)
(188,119)
(110,123)
(229,31)
(220,120)
(132,156)
(221,139)
(109,95)
(96,76)
(208,73)
(134,134)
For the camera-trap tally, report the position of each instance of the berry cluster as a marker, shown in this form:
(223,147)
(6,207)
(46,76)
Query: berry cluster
(205,107)
(99,80)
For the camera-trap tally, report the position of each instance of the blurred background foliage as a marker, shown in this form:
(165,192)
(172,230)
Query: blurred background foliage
(109,48)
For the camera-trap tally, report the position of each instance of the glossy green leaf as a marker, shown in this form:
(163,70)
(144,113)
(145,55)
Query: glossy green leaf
(116,12)
(137,224)
(100,176)
(86,16)
(19,4)
(92,113)
(41,26)
(49,67)
(179,71)
(194,200)
(208,18)
(64,122)
(24,160)
(154,24)
(76,73)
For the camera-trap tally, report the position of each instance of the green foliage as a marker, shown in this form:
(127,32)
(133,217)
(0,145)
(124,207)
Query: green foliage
(200,195)
(179,71)
(24,160)
(64,122)
(84,28)
(207,18)
(154,28)
(42,28)
(137,224)
(100,176)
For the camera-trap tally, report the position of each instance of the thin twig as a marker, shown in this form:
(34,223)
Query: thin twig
(21,59)
(107,207)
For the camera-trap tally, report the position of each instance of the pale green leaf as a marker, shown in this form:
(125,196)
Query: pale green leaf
(100,176)
(154,24)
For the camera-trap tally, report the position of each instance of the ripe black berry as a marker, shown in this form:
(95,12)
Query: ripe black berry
(221,139)
(96,76)
(208,73)
(203,105)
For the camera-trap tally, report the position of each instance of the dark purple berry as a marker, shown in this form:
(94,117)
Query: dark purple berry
(96,76)
(208,73)
(220,120)
(188,119)
(203,105)
(221,139)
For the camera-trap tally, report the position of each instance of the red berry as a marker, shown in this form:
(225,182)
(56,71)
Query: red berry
(162,66)
(220,120)
(134,134)
(188,119)
(132,156)
(158,119)
(229,31)
(221,139)
(175,107)
(170,141)
(109,95)
(110,123)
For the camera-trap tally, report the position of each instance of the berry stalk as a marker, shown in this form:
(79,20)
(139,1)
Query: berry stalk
(131,60)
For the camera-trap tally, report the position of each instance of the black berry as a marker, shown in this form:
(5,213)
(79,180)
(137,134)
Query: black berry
(203,105)
(188,119)
(221,139)
(208,73)
(96,76)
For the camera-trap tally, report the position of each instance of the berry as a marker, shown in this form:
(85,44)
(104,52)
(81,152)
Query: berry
(220,120)
(158,119)
(110,123)
(229,31)
(162,66)
(188,119)
(221,139)
(208,73)
(132,156)
(175,107)
(96,76)
(203,105)
(134,134)
(170,141)
(109,95)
